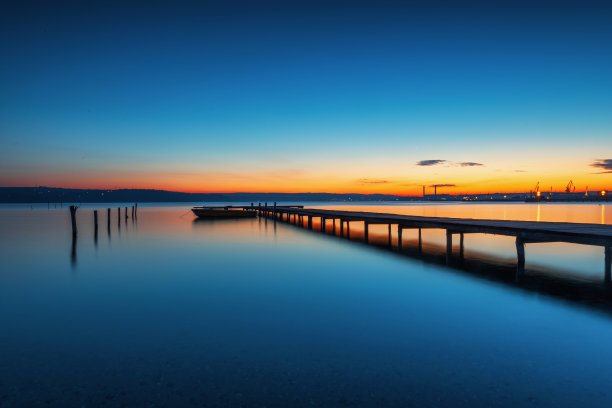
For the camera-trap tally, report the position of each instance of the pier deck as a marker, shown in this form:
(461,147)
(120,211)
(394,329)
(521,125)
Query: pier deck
(524,231)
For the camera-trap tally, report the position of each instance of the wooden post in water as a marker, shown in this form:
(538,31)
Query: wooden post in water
(119,216)
(389,233)
(420,242)
(520,256)
(366,231)
(348,229)
(461,246)
(309,222)
(399,237)
(334,225)
(126,216)
(341,227)
(136,210)
(96,220)
(449,246)
(73,209)
(608,263)
(132,212)
(108,215)
(322,224)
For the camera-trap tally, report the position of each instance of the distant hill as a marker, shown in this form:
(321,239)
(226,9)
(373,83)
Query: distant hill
(70,195)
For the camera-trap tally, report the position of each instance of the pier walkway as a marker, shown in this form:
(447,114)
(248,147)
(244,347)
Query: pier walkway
(525,232)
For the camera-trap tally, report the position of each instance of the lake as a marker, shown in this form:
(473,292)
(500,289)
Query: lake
(166,311)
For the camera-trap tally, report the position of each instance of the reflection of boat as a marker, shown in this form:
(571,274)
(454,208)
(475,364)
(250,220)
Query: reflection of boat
(224,212)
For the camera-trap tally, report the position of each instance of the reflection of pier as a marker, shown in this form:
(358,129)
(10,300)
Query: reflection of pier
(525,232)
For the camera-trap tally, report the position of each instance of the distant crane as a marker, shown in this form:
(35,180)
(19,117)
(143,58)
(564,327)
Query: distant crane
(570,188)
(586,192)
(536,190)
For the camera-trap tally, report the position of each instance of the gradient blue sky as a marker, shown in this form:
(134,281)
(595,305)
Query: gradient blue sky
(305,96)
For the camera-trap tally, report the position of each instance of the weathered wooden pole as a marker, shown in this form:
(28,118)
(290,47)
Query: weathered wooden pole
(348,229)
(322,224)
(520,256)
(461,245)
(420,242)
(309,222)
(132,212)
(366,231)
(136,210)
(341,227)
(449,246)
(399,237)
(126,216)
(73,209)
(389,233)
(119,216)
(334,225)
(96,220)
(608,263)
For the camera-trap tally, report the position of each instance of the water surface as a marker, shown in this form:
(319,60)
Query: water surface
(168,311)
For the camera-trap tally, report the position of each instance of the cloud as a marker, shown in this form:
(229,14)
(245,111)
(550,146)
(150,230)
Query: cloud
(470,164)
(431,162)
(520,171)
(605,164)
(372,181)
(443,185)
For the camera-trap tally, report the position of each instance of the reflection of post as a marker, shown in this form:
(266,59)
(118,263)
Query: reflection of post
(608,261)
(449,246)
(73,209)
(73,252)
(399,237)
(366,230)
(520,256)
(461,245)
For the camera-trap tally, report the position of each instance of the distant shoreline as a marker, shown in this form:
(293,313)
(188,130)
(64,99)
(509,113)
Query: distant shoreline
(26,195)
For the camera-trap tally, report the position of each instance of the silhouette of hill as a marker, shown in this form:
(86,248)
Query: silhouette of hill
(67,195)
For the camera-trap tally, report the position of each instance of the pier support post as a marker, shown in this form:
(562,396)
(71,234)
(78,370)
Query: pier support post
(608,262)
(341,227)
(126,216)
(389,233)
(334,226)
(399,237)
(449,246)
(309,222)
(348,230)
(132,212)
(323,224)
(366,231)
(119,216)
(96,221)
(108,217)
(520,256)
(461,246)
(73,209)
(420,242)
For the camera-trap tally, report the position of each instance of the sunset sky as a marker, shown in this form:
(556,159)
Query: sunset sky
(306,96)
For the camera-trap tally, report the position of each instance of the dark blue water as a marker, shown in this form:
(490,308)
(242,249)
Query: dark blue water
(166,312)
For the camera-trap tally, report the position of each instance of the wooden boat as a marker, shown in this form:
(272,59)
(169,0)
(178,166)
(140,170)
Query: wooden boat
(223,212)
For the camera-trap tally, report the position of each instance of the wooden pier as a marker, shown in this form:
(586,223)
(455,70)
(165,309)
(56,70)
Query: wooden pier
(525,232)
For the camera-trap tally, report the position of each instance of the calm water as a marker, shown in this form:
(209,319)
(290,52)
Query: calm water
(166,311)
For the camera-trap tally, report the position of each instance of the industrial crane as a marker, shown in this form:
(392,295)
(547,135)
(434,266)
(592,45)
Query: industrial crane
(570,188)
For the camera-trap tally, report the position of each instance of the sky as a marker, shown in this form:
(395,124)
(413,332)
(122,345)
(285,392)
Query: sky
(339,97)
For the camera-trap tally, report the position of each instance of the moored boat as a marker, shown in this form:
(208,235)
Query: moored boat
(224,212)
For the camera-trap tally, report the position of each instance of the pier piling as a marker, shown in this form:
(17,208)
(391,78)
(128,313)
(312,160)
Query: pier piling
(73,209)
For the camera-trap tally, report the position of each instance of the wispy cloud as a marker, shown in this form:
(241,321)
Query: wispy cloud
(435,162)
(443,185)
(372,181)
(520,171)
(431,162)
(605,164)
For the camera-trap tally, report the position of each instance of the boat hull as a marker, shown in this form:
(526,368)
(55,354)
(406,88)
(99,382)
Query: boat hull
(221,213)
